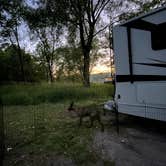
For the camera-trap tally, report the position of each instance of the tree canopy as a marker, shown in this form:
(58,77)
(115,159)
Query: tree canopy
(63,34)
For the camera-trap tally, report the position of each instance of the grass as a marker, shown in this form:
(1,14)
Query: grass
(44,130)
(54,93)
(54,133)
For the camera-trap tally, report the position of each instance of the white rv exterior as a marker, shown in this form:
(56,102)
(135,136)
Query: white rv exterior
(140,63)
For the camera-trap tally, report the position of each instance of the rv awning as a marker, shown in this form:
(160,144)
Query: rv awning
(141,24)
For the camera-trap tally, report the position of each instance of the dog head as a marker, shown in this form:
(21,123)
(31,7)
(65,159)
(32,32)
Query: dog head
(71,108)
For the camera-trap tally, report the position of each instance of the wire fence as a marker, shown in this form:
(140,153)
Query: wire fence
(2,140)
(19,128)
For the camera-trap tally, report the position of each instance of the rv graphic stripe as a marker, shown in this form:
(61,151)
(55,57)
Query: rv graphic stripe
(156,60)
(153,64)
(128,78)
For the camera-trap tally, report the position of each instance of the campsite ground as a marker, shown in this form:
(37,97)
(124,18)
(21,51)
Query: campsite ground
(44,133)
(141,142)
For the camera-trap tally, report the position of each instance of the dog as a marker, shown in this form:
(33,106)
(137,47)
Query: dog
(89,111)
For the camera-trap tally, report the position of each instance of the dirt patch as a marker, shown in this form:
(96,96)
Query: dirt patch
(136,144)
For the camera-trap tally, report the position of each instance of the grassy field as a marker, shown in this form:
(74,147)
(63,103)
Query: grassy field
(53,93)
(39,130)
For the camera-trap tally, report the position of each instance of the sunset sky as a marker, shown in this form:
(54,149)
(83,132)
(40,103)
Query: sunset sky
(100,68)
(103,64)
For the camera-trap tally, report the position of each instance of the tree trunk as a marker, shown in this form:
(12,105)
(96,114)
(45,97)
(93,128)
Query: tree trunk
(47,73)
(86,73)
(21,64)
(50,73)
(86,45)
(86,52)
(20,55)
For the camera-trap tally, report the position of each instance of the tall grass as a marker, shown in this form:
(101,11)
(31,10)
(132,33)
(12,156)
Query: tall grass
(58,92)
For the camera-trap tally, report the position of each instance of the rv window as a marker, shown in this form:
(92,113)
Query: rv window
(159,37)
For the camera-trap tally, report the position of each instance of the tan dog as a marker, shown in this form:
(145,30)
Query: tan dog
(88,111)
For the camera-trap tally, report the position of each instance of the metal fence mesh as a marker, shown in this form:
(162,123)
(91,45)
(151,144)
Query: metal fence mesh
(19,128)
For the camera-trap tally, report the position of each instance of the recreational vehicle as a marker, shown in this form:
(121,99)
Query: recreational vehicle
(140,64)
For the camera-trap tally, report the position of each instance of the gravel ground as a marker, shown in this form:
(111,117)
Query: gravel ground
(141,142)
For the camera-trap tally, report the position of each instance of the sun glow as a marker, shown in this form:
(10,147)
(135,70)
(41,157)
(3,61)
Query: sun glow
(104,64)
(100,68)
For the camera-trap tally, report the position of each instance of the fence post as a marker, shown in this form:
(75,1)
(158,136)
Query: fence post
(2,141)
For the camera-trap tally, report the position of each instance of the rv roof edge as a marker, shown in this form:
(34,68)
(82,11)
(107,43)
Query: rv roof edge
(153,11)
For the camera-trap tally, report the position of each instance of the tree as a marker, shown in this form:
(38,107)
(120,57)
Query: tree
(9,66)
(46,29)
(70,63)
(140,7)
(81,15)
(46,48)
(11,12)
(85,15)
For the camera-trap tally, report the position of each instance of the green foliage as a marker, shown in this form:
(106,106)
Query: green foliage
(10,66)
(57,92)
(11,15)
(9,31)
(70,61)
(47,13)
(48,39)
(82,16)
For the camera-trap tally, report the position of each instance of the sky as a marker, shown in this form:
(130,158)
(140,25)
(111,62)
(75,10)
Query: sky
(101,68)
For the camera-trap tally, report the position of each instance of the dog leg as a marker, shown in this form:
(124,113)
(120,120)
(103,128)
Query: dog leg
(104,112)
(91,121)
(80,121)
(101,124)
